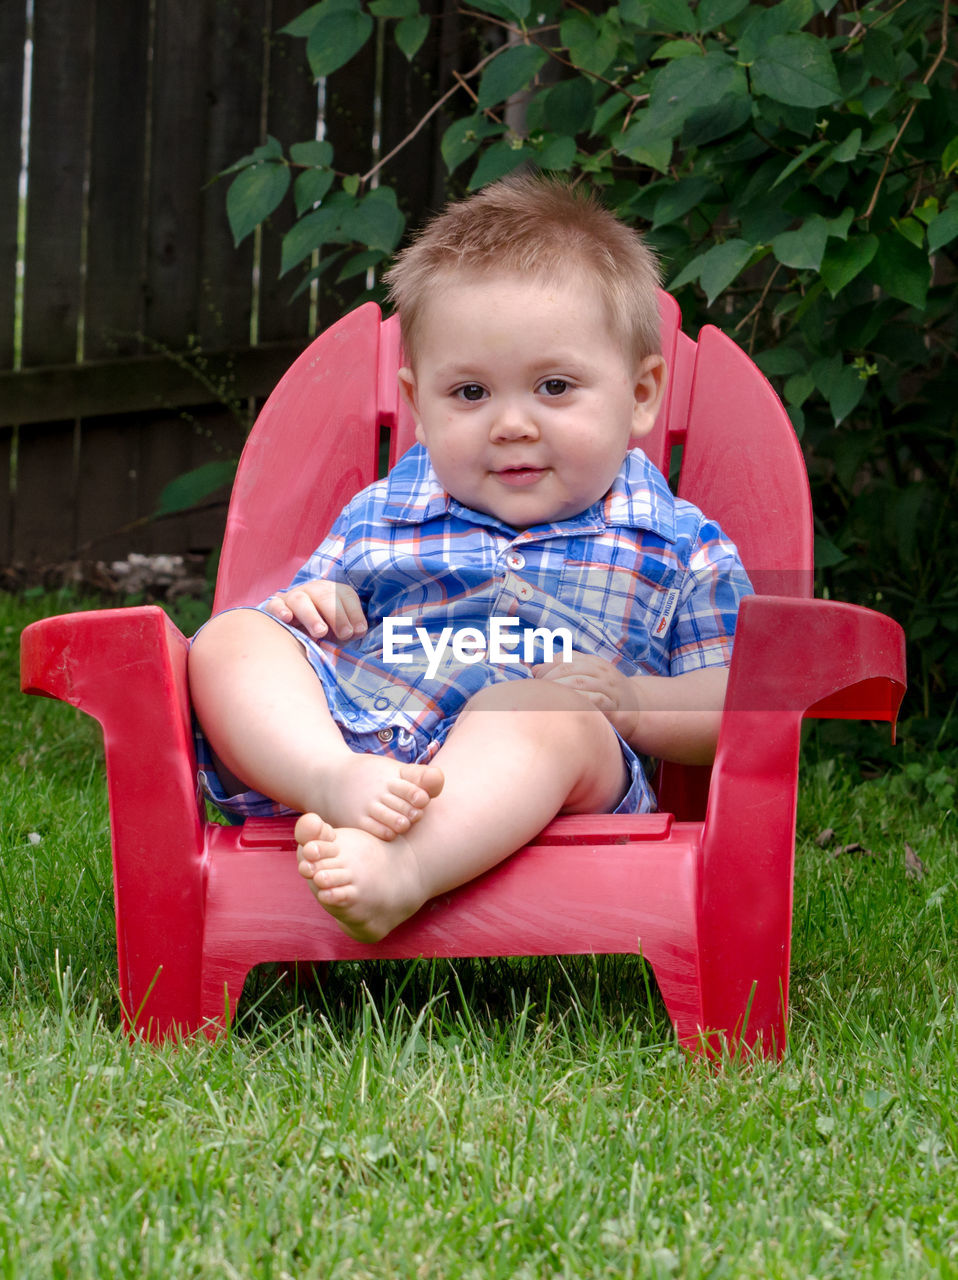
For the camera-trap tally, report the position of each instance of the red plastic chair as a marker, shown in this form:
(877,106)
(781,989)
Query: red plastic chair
(705,898)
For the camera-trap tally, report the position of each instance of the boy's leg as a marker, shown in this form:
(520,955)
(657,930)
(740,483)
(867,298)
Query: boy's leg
(519,754)
(263,710)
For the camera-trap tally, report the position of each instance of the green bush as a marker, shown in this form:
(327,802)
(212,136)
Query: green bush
(794,165)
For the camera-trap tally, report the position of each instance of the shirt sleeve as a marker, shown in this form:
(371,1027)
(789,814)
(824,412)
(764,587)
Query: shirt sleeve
(715,584)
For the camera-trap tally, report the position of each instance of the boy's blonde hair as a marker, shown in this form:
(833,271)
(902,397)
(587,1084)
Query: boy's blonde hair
(536,227)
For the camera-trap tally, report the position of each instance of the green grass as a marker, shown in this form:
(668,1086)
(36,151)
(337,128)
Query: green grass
(496,1119)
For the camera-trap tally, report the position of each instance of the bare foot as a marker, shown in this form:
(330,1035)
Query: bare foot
(377,795)
(368,885)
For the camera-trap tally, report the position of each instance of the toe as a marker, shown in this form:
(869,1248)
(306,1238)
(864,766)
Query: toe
(310,826)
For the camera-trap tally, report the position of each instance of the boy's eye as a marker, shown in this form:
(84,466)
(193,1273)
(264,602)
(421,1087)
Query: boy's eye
(554,386)
(471,391)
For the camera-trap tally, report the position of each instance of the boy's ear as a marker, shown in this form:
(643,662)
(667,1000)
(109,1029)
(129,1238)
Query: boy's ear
(409,392)
(648,390)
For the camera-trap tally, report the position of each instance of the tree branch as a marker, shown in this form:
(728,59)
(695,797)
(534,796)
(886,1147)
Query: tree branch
(436,106)
(911,111)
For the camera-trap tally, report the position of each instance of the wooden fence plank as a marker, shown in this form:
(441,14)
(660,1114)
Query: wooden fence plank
(44,527)
(116,252)
(291,116)
(178,169)
(234,103)
(63,42)
(108,500)
(6,496)
(418,172)
(12,33)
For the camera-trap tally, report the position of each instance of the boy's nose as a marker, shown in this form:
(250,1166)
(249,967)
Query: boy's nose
(513,422)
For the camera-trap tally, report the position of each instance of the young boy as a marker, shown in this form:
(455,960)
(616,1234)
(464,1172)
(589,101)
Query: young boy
(494,633)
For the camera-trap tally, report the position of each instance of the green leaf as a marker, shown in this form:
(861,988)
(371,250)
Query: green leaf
(569,106)
(827,555)
(764,24)
(322,226)
(840,226)
(646,143)
(797,161)
(676,49)
(498,8)
(496,162)
(716,268)
(558,154)
(843,262)
(592,42)
(679,198)
(310,187)
(304,23)
(840,384)
(508,73)
(796,69)
(779,361)
(377,221)
(721,264)
(949,157)
(518,9)
(360,263)
(327,261)
(394,8)
(336,38)
(319,154)
(706,124)
(463,137)
(798,387)
(253,195)
(716,13)
(942,229)
(803,248)
(902,269)
(659,15)
(848,148)
(878,55)
(912,230)
(193,487)
(410,34)
(270,150)
(691,84)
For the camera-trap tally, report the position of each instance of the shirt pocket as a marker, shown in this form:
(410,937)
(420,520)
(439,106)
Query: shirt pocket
(624,599)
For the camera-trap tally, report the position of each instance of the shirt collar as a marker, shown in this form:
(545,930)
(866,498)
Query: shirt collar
(639,498)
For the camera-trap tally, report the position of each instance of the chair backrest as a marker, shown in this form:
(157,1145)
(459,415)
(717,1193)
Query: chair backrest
(318,441)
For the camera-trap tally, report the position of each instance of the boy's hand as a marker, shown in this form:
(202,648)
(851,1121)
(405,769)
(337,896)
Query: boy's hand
(321,607)
(602,683)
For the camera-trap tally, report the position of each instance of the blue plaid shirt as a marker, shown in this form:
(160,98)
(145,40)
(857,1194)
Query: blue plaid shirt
(641,579)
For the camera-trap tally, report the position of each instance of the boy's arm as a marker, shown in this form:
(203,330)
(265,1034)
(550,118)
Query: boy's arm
(670,717)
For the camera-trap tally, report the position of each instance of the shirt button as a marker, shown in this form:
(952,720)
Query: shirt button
(515,560)
(384,735)
(525,592)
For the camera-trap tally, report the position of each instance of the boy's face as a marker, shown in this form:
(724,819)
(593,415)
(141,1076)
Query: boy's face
(524,398)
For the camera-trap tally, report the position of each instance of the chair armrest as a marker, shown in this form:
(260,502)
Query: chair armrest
(792,658)
(121,666)
(127,668)
(821,658)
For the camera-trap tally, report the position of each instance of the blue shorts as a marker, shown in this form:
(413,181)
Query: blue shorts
(380,714)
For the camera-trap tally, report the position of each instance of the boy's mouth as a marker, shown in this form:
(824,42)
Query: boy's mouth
(519,476)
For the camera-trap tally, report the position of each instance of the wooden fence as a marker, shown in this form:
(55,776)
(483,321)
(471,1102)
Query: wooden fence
(137,324)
